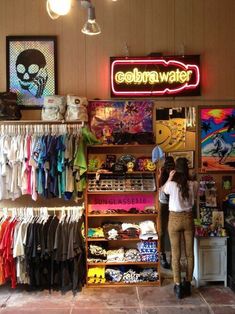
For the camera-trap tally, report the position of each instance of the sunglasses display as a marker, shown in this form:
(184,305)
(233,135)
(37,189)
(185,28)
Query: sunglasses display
(126,182)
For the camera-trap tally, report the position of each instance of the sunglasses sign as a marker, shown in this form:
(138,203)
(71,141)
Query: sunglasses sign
(152,77)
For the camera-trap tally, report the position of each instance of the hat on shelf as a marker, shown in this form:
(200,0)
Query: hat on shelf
(157,154)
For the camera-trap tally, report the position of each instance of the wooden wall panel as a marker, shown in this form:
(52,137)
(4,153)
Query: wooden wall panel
(203,27)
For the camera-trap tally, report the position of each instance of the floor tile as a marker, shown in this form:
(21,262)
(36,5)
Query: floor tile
(218,295)
(40,300)
(176,310)
(223,309)
(26,310)
(153,296)
(106,311)
(107,297)
(5,294)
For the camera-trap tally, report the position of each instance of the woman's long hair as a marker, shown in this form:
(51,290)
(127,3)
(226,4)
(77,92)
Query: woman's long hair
(181,176)
(169,165)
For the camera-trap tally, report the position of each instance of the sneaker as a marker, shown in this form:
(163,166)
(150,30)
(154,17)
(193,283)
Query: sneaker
(186,285)
(178,290)
(164,262)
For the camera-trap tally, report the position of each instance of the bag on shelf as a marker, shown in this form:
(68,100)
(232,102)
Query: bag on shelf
(54,108)
(76,109)
(9,109)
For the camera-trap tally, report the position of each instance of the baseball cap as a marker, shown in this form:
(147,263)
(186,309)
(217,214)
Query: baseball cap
(157,154)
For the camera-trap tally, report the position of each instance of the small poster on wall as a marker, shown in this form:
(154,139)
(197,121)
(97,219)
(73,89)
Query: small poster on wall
(31,68)
(170,129)
(218,218)
(217,138)
(122,122)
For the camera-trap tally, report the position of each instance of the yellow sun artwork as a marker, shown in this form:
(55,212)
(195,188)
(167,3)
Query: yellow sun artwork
(170,134)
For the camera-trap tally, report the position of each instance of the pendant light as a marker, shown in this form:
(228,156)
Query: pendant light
(91,27)
(58,7)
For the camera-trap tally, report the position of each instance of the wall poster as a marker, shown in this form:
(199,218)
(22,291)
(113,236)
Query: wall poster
(31,68)
(217,138)
(122,122)
(170,129)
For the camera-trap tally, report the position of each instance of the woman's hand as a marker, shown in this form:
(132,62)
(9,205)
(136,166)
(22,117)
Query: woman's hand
(171,175)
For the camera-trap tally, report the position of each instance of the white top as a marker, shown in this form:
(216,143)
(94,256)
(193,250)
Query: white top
(176,202)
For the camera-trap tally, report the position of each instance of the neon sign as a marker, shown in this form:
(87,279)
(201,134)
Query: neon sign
(150,77)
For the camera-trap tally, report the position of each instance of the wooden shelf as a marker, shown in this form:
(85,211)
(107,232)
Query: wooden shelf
(124,284)
(133,172)
(123,263)
(137,150)
(103,239)
(123,215)
(120,146)
(119,192)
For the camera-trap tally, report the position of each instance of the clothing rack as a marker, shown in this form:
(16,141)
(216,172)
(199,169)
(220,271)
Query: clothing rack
(35,210)
(40,122)
(38,127)
(41,250)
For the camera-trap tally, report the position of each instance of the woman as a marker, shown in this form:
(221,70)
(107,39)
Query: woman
(182,193)
(168,166)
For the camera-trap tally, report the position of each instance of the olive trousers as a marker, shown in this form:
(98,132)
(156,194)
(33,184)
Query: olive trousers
(181,224)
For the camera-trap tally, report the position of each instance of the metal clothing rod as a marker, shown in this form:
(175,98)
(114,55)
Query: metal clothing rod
(3,122)
(63,208)
(38,128)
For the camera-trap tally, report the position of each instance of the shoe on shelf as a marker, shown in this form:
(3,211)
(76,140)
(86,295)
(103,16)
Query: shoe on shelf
(186,285)
(164,262)
(178,290)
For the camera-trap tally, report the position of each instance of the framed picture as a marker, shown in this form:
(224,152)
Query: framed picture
(227,182)
(218,218)
(189,154)
(170,129)
(121,122)
(217,138)
(31,68)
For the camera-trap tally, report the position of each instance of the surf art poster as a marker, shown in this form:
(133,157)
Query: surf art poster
(217,138)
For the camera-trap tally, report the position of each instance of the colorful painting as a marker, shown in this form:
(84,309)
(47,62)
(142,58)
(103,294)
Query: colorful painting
(108,118)
(217,139)
(31,68)
(170,134)
(170,129)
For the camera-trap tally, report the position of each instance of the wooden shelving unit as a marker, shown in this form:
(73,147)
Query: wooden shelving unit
(123,284)
(96,220)
(122,263)
(104,239)
(123,215)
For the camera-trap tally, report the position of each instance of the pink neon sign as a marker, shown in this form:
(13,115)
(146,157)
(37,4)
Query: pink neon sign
(168,76)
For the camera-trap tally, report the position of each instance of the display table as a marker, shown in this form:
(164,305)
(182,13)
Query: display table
(210,259)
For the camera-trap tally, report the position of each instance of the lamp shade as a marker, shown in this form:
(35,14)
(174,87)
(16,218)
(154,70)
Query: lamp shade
(91,27)
(59,7)
(52,15)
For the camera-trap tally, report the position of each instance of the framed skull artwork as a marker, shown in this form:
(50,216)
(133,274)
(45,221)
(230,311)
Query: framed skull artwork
(31,68)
